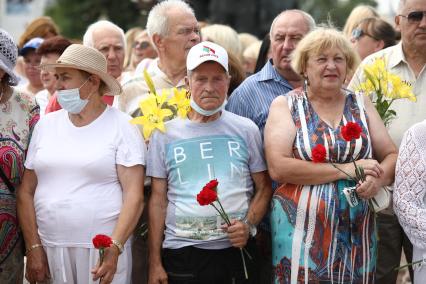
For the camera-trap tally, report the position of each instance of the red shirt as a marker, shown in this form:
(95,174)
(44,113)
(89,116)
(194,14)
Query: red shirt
(53,104)
(108,99)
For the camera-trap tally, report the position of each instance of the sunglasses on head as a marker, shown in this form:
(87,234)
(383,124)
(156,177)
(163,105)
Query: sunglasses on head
(414,17)
(141,45)
(358,33)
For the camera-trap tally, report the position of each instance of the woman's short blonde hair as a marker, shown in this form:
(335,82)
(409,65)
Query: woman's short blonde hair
(246,40)
(358,14)
(224,36)
(319,40)
(252,51)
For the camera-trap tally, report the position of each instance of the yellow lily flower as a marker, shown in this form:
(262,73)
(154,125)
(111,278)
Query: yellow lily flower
(386,87)
(159,107)
(153,115)
(181,101)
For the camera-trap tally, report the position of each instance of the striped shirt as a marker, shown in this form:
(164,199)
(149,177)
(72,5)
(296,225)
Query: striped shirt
(254,96)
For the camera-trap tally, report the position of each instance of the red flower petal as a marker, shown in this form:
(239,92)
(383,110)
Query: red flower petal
(351,131)
(318,154)
(212,184)
(102,241)
(206,196)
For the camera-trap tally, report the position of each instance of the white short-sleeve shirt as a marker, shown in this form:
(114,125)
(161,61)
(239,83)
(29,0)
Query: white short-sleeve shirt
(78,193)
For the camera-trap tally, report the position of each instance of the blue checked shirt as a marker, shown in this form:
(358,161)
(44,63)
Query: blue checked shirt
(254,96)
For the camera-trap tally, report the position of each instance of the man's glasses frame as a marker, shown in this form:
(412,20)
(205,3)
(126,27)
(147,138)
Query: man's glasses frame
(415,16)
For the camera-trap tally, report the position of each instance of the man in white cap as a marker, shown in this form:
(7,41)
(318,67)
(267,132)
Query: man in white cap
(210,143)
(173,30)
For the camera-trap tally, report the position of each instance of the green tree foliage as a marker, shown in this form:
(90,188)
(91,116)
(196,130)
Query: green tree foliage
(74,16)
(337,12)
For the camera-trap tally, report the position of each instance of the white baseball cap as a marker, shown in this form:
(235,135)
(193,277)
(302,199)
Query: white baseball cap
(206,51)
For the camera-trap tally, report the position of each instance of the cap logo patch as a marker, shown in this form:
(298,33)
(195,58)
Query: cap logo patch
(208,52)
(208,49)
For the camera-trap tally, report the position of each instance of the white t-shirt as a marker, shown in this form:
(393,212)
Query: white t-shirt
(42,99)
(78,194)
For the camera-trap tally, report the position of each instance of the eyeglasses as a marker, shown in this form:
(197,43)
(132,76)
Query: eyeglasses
(141,45)
(414,17)
(358,33)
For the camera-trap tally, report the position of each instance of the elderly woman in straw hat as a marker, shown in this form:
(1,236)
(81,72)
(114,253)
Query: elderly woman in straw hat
(84,176)
(18,115)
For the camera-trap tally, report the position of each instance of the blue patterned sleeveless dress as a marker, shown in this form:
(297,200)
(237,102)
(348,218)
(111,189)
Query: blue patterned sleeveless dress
(316,236)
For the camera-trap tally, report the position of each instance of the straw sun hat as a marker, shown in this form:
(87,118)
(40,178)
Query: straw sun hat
(88,59)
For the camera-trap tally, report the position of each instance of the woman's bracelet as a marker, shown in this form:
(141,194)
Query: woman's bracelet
(32,248)
(118,245)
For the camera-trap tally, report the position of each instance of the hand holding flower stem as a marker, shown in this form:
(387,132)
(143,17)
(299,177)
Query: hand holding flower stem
(350,131)
(101,242)
(207,196)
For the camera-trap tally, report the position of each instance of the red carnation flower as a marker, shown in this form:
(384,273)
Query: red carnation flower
(350,131)
(102,241)
(206,196)
(212,184)
(318,154)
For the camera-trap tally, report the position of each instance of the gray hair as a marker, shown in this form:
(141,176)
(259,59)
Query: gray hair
(158,18)
(88,35)
(310,22)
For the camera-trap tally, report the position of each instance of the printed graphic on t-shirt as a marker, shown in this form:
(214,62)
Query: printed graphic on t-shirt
(191,164)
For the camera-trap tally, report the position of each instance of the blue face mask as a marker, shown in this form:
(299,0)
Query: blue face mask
(70,99)
(204,112)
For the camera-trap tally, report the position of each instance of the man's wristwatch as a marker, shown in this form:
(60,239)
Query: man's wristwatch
(252,228)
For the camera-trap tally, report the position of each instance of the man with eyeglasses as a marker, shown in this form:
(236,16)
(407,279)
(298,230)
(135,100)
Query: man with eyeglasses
(173,30)
(407,60)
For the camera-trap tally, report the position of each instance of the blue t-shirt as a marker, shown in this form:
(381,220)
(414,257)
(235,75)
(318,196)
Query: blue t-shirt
(189,155)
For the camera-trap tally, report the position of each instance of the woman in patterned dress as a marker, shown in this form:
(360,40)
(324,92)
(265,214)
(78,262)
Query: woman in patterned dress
(316,236)
(18,115)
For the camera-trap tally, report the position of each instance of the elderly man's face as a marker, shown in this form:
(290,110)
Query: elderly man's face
(288,30)
(413,31)
(183,34)
(110,43)
(209,85)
